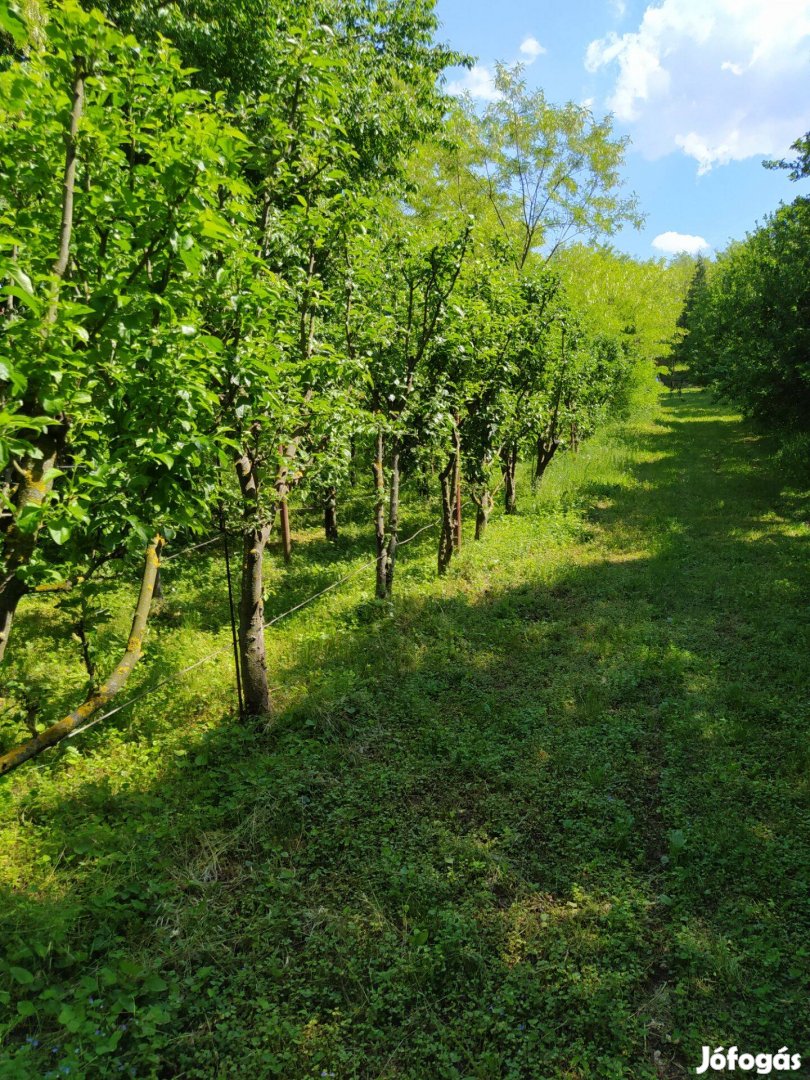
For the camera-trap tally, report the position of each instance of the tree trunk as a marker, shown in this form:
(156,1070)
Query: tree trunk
(387,540)
(11,592)
(284,526)
(379,518)
(393,522)
(509,465)
(59,268)
(33,487)
(352,462)
(330,525)
(457,491)
(483,510)
(287,455)
(32,490)
(79,717)
(447,478)
(251,602)
(546,449)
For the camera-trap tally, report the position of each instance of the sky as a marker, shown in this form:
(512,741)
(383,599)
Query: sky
(706,89)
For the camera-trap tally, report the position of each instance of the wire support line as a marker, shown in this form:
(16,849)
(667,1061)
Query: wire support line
(192,547)
(151,690)
(340,504)
(350,574)
(239,532)
(227,648)
(309,599)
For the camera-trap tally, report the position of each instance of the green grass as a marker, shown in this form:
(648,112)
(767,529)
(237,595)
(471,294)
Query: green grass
(548,818)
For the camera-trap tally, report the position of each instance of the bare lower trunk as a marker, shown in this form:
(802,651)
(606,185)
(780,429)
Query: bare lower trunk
(509,465)
(11,592)
(80,631)
(352,462)
(79,717)
(546,449)
(457,490)
(378,469)
(252,656)
(387,540)
(284,527)
(483,508)
(330,525)
(287,456)
(447,479)
(393,522)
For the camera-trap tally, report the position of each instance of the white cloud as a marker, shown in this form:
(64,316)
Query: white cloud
(619,8)
(735,145)
(531,48)
(672,243)
(478,82)
(672,82)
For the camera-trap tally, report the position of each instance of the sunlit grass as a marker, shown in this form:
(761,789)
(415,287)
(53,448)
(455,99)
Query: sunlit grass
(543,817)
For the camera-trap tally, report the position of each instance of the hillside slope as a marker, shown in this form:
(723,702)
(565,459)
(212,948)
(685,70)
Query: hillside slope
(549,819)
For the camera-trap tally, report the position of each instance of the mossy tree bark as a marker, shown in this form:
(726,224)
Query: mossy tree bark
(483,508)
(107,691)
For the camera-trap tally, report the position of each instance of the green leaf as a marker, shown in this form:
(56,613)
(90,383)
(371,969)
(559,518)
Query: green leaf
(60,534)
(13,26)
(29,518)
(72,1017)
(25,296)
(213,343)
(21,975)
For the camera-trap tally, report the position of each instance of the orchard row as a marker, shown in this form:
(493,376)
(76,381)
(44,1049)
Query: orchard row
(242,256)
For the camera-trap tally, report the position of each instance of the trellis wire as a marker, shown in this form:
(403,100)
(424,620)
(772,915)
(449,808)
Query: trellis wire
(225,648)
(236,660)
(238,532)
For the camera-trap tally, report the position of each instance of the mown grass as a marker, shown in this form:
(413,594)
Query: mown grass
(546,818)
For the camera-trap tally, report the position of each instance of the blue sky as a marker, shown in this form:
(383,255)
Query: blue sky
(704,88)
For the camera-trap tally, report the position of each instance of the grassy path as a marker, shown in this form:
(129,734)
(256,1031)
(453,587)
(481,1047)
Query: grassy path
(547,821)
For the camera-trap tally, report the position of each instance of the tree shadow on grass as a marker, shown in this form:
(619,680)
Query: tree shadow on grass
(528,832)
